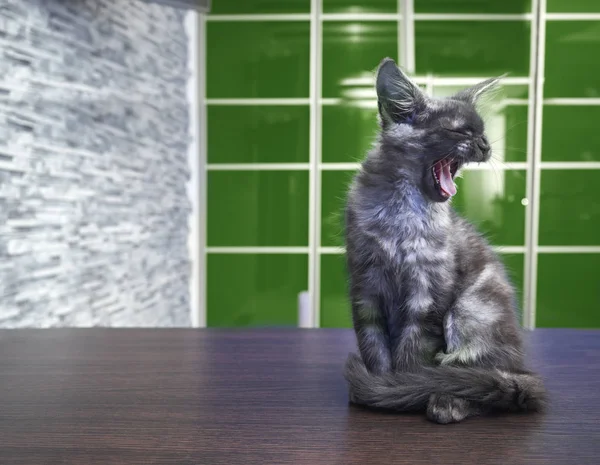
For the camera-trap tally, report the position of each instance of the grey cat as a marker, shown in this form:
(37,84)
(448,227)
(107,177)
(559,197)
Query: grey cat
(433,310)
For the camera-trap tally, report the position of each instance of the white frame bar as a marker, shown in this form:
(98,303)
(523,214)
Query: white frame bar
(534,194)
(314,220)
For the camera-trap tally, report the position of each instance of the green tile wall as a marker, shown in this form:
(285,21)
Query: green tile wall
(462,48)
(257,59)
(359,7)
(472,6)
(568,293)
(255,289)
(569,70)
(349,131)
(258,134)
(569,211)
(258,219)
(349,49)
(257,208)
(570,133)
(572,6)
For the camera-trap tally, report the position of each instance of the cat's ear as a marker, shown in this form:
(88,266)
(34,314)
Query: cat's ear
(472,94)
(398,98)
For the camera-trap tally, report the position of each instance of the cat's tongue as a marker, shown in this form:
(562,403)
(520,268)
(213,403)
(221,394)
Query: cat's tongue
(442,170)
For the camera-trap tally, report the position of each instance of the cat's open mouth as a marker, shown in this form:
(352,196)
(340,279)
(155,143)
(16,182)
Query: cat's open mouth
(443,176)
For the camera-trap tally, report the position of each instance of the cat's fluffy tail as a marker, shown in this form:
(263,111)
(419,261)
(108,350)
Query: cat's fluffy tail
(492,389)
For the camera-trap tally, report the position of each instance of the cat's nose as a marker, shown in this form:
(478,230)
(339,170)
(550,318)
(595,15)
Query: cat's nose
(483,145)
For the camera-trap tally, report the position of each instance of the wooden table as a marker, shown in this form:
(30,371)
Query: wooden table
(212,397)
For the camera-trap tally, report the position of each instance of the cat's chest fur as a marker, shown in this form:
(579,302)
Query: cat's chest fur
(410,254)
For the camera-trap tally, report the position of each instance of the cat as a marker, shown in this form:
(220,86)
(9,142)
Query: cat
(434,313)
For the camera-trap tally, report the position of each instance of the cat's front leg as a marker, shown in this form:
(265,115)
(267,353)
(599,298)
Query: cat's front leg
(372,336)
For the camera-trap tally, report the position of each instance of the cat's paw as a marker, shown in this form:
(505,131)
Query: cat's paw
(446,409)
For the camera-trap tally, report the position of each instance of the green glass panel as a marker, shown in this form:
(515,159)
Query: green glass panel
(571,133)
(334,187)
(472,48)
(244,7)
(256,59)
(257,208)
(335,306)
(351,53)
(362,6)
(570,70)
(472,6)
(492,201)
(572,6)
(568,291)
(258,134)
(348,132)
(254,290)
(569,210)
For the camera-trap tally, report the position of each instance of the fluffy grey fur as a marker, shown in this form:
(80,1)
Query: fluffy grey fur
(433,310)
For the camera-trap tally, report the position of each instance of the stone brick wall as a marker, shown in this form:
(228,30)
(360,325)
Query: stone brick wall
(93,164)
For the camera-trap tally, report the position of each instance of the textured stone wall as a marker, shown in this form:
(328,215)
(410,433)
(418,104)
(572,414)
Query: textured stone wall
(93,164)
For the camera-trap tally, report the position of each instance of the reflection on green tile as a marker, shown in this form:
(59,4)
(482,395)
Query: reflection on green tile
(572,6)
(334,186)
(348,132)
(568,291)
(569,70)
(569,211)
(511,143)
(351,53)
(360,6)
(244,7)
(463,48)
(571,133)
(514,263)
(335,306)
(255,290)
(257,208)
(258,134)
(257,59)
(472,6)
(491,200)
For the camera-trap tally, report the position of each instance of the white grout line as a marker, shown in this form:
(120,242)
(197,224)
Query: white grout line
(202,177)
(359,16)
(394,17)
(501,249)
(471,17)
(257,101)
(516,165)
(572,101)
(568,249)
(258,166)
(406,34)
(332,250)
(570,165)
(536,163)
(353,166)
(527,262)
(259,17)
(314,265)
(258,250)
(573,16)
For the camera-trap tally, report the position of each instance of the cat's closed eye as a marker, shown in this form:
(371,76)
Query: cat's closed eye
(462,131)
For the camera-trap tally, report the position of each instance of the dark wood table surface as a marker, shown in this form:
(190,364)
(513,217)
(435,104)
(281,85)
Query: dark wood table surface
(163,396)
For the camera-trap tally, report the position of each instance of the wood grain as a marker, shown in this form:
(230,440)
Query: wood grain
(210,397)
